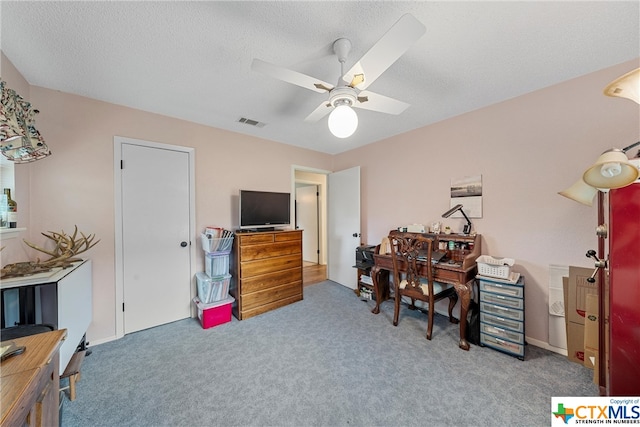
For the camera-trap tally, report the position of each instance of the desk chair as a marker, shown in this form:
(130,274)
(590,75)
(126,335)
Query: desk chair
(413,277)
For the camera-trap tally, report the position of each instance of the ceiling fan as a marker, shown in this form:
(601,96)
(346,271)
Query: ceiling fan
(350,90)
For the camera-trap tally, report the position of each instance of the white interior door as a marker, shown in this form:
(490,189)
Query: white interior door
(344,225)
(307,221)
(156,253)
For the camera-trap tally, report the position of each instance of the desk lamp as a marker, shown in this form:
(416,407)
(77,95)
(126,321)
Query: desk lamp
(458,207)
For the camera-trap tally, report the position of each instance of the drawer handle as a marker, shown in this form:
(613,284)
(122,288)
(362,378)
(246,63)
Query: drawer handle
(498,329)
(506,343)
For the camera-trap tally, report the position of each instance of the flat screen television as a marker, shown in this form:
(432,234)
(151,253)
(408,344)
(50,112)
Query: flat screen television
(264,210)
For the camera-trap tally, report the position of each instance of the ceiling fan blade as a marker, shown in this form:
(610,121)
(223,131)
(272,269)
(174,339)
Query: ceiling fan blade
(290,76)
(322,110)
(381,103)
(393,44)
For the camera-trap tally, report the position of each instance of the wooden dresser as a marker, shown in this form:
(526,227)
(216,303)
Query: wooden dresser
(31,381)
(266,269)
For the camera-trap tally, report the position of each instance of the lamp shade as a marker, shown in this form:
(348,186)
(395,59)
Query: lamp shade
(343,121)
(611,170)
(626,86)
(20,141)
(581,192)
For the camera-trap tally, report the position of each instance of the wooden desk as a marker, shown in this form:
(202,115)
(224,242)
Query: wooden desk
(460,274)
(30,381)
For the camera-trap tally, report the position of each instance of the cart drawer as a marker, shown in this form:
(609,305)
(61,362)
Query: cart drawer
(503,345)
(502,289)
(515,303)
(501,322)
(502,333)
(500,311)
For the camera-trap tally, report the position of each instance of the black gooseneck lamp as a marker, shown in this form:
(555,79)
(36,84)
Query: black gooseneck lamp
(467,228)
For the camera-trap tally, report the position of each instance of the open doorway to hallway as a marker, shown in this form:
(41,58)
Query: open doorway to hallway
(310,217)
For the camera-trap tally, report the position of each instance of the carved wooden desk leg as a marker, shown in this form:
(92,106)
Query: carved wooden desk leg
(464,295)
(380,279)
(375,273)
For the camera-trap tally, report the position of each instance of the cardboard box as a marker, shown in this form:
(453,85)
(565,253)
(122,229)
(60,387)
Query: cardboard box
(214,314)
(591,323)
(590,358)
(575,342)
(579,288)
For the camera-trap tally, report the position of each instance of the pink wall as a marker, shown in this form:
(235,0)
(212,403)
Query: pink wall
(14,250)
(75,186)
(526,149)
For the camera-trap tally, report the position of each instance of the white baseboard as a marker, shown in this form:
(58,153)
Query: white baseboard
(546,346)
(102,341)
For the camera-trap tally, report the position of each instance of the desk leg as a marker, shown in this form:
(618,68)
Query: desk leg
(464,295)
(380,279)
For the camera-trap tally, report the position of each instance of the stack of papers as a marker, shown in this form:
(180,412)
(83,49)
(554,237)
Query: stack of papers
(366,279)
(211,243)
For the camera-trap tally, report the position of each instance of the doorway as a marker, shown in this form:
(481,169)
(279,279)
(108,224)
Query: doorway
(310,187)
(155,205)
(345,213)
(307,215)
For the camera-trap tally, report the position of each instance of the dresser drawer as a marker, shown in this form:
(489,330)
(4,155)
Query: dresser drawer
(516,303)
(502,333)
(270,280)
(291,235)
(500,311)
(268,251)
(501,322)
(500,344)
(270,265)
(502,289)
(254,239)
(257,299)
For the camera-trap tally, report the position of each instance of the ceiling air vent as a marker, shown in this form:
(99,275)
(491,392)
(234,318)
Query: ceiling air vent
(251,122)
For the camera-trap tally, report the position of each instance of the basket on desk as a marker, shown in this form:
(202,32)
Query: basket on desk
(494,267)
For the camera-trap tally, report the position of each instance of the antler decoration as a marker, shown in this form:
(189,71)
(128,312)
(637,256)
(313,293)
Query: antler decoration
(63,255)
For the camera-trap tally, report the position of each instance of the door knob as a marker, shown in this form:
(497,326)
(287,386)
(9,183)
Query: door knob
(356,234)
(599,263)
(183,244)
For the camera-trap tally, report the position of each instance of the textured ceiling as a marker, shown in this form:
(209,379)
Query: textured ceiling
(192,60)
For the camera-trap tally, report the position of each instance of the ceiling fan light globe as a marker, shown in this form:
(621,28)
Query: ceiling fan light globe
(343,121)
(609,170)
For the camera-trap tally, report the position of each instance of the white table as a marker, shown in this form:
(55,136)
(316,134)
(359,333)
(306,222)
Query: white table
(69,298)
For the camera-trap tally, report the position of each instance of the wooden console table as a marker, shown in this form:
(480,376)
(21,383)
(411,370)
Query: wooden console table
(458,268)
(30,381)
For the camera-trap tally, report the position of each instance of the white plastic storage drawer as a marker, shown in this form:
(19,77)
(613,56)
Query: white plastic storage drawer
(504,345)
(514,325)
(502,311)
(502,289)
(502,333)
(516,303)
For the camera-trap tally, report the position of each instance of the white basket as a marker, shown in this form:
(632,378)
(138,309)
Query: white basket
(216,244)
(494,267)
